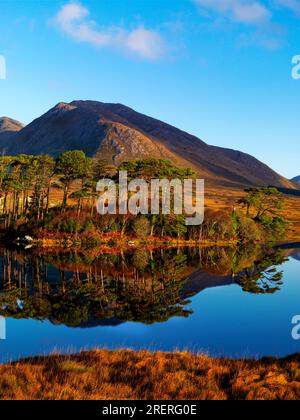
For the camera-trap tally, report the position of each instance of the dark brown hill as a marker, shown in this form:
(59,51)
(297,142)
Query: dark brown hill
(8,129)
(118,133)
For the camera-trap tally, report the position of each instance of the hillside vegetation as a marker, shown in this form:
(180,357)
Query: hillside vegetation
(26,205)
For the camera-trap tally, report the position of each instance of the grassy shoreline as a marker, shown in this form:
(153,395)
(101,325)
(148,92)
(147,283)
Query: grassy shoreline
(129,242)
(132,375)
(126,243)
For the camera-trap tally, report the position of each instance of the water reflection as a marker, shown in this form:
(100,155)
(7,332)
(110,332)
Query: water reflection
(87,290)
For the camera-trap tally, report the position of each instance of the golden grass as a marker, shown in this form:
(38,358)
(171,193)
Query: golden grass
(129,375)
(216,199)
(225,200)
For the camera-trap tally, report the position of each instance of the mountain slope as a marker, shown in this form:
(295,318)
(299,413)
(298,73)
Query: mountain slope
(117,132)
(8,129)
(296,180)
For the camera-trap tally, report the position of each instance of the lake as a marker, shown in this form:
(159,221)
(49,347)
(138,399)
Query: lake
(222,301)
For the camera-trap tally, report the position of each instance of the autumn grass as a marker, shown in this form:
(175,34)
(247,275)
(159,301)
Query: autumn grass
(225,200)
(107,245)
(129,375)
(217,199)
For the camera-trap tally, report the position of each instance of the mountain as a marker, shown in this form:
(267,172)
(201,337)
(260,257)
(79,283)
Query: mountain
(117,133)
(296,180)
(8,128)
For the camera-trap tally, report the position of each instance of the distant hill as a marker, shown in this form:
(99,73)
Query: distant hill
(296,180)
(8,129)
(117,133)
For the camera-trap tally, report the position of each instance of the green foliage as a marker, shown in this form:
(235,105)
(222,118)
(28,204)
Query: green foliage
(25,188)
(88,226)
(154,168)
(236,221)
(265,278)
(140,259)
(70,226)
(264,201)
(274,227)
(175,226)
(72,165)
(141,227)
(248,230)
(76,289)
(263,206)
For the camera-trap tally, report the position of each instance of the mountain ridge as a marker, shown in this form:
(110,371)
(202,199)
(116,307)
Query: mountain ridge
(117,132)
(8,128)
(296,180)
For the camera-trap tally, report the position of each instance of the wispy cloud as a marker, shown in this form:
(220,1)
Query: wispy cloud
(256,19)
(251,12)
(293,5)
(73,20)
(248,12)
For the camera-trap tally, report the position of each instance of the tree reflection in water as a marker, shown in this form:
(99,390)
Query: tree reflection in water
(79,290)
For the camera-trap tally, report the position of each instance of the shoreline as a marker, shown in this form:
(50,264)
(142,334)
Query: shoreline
(143,375)
(108,245)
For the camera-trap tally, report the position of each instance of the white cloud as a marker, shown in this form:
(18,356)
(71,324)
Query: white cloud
(242,11)
(73,20)
(144,42)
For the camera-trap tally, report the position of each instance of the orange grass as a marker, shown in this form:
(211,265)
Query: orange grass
(125,374)
(226,199)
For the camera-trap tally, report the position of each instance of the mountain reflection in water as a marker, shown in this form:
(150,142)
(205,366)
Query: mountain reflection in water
(83,290)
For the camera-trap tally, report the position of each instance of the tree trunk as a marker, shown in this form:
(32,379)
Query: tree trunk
(48,200)
(65,199)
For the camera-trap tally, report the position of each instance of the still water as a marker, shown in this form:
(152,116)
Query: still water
(221,301)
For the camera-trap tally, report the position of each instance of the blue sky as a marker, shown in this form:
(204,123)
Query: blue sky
(220,69)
